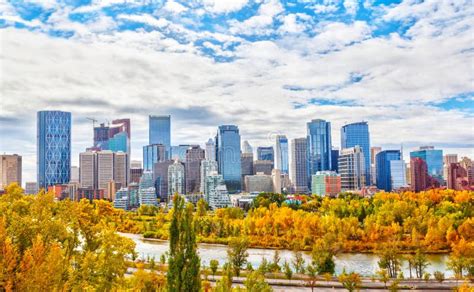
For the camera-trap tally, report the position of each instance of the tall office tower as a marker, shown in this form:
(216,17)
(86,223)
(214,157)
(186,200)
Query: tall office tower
(176,182)
(87,170)
(247,148)
(105,169)
(419,174)
(194,156)
(53,148)
(266,153)
(207,167)
(216,191)
(319,147)
(434,163)
(74,174)
(160,172)
(373,164)
(146,190)
(277,182)
(101,137)
(119,126)
(246,166)
(447,160)
(467,164)
(281,153)
(334,159)
(160,132)
(357,134)
(179,152)
(152,154)
(352,168)
(31,188)
(135,164)
(121,169)
(228,156)
(10,170)
(210,149)
(326,183)
(457,177)
(389,173)
(263,166)
(299,166)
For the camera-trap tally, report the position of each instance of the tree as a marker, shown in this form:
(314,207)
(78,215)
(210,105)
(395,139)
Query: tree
(225,283)
(461,259)
(426,276)
(312,273)
(237,253)
(322,257)
(275,265)
(288,271)
(439,276)
(350,281)
(383,277)
(298,261)
(389,259)
(183,263)
(420,263)
(201,209)
(255,282)
(214,265)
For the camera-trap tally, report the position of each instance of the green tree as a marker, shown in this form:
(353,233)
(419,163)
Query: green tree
(275,265)
(312,279)
(201,209)
(237,253)
(439,276)
(225,283)
(420,263)
(389,258)
(350,281)
(323,257)
(298,261)
(183,263)
(287,270)
(214,265)
(255,282)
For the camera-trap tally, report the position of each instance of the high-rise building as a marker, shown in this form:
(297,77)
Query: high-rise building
(146,190)
(259,182)
(207,167)
(176,181)
(247,148)
(266,153)
(53,148)
(194,156)
(74,174)
(179,152)
(457,178)
(281,154)
(352,168)
(160,131)
(434,163)
(373,164)
(105,169)
(447,160)
(160,173)
(299,166)
(210,149)
(419,174)
(263,166)
(10,170)
(121,169)
(357,134)
(87,169)
(114,137)
(152,154)
(389,171)
(228,156)
(334,159)
(467,164)
(135,174)
(246,165)
(277,182)
(216,193)
(326,183)
(319,147)
(135,164)
(31,188)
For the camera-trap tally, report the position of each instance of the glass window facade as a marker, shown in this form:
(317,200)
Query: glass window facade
(434,162)
(160,131)
(153,154)
(53,148)
(228,156)
(319,147)
(357,134)
(384,170)
(281,159)
(265,153)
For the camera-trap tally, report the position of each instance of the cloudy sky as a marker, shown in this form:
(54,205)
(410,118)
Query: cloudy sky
(268,66)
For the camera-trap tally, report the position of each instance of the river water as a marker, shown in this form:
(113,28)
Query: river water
(362,263)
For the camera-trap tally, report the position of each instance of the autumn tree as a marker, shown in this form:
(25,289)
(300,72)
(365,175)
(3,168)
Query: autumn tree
(237,254)
(350,281)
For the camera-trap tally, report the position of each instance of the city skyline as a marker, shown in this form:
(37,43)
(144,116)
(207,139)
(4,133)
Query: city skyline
(268,67)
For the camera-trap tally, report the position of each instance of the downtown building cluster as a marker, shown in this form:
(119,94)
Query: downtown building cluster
(226,169)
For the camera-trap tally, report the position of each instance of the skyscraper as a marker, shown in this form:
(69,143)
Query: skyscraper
(266,153)
(160,173)
(207,167)
(210,150)
(319,147)
(352,168)
(388,171)
(87,169)
(434,162)
(10,170)
(121,169)
(299,165)
(357,134)
(152,154)
(114,137)
(160,131)
(334,159)
(228,156)
(146,190)
(281,155)
(179,152)
(447,160)
(373,166)
(419,174)
(105,169)
(246,165)
(53,148)
(194,156)
(263,166)
(247,148)
(176,182)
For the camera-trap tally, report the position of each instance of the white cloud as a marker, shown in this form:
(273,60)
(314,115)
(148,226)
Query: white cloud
(259,24)
(224,6)
(351,6)
(146,19)
(174,7)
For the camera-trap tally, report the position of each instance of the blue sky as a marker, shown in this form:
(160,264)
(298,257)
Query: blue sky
(267,65)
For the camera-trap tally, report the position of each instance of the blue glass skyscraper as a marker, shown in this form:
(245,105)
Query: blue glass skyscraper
(265,153)
(357,134)
(433,159)
(228,156)
(152,154)
(383,166)
(281,155)
(160,131)
(319,146)
(53,148)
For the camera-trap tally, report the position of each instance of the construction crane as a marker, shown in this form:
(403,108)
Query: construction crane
(93,121)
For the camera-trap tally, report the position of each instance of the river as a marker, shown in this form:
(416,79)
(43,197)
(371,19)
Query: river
(362,263)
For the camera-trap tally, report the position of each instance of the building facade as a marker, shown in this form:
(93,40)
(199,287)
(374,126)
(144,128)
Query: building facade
(262,166)
(207,167)
(210,149)
(385,167)
(299,165)
(152,154)
(266,153)
(228,156)
(281,154)
(259,183)
(10,170)
(434,163)
(352,169)
(146,190)
(326,183)
(53,148)
(357,134)
(194,156)
(373,164)
(160,175)
(319,147)
(176,179)
(159,131)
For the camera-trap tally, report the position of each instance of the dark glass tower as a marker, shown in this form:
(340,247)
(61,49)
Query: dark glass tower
(357,134)
(319,146)
(53,148)
(160,132)
(228,156)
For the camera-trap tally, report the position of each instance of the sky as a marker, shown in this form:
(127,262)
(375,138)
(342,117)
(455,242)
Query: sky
(268,66)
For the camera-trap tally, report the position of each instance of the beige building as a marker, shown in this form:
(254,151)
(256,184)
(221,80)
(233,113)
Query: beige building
(10,170)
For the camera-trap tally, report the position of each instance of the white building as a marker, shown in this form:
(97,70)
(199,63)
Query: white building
(351,166)
(216,194)
(207,167)
(146,190)
(176,178)
(259,183)
(210,150)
